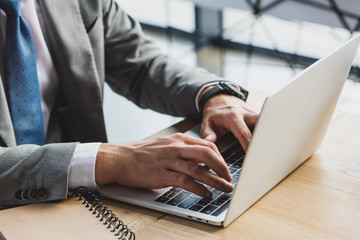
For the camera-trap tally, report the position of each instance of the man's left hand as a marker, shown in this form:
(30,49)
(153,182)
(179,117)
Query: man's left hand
(223,113)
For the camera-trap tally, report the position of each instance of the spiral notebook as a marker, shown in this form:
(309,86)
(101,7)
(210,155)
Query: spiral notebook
(82,216)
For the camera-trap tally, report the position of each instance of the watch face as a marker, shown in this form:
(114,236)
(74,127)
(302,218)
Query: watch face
(232,87)
(233,91)
(222,88)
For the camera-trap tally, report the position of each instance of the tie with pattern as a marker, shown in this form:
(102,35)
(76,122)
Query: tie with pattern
(23,86)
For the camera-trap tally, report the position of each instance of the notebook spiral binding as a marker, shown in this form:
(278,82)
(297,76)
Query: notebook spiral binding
(104,214)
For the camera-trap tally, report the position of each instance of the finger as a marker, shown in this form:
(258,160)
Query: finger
(200,154)
(187,183)
(200,173)
(241,132)
(207,133)
(197,141)
(251,120)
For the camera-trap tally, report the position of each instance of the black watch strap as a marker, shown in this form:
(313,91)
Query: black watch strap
(222,88)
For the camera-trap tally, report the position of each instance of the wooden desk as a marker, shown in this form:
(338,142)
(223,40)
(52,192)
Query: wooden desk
(319,200)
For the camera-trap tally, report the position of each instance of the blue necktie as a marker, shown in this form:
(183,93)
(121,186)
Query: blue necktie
(23,86)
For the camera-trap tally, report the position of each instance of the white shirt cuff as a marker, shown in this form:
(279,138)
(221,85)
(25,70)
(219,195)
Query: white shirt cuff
(82,166)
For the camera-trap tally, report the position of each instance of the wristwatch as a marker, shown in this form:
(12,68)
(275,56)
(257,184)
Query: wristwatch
(222,88)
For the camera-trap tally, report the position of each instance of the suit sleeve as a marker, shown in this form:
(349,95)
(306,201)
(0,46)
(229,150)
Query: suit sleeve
(30,173)
(138,70)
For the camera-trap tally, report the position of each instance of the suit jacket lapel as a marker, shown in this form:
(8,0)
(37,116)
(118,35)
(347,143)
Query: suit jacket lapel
(73,57)
(6,128)
(7,136)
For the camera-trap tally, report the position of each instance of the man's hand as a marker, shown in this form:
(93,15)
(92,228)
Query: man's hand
(163,162)
(224,113)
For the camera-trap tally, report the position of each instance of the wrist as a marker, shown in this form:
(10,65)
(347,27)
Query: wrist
(221,100)
(101,178)
(221,88)
(108,163)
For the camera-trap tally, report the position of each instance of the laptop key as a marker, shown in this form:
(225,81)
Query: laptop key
(209,209)
(239,154)
(216,203)
(234,148)
(236,165)
(187,202)
(236,175)
(193,195)
(231,160)
(217,192)
(223,198)
(226,154)
(162,199)
(169,194)
(178,199)
(176,189)
(221,209)
(232,170)
(196,208)
(234,181)
(205,201)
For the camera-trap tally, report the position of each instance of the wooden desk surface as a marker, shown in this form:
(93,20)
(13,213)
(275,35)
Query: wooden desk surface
(319,200)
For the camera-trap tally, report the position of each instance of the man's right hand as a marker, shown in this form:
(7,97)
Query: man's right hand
(163,162)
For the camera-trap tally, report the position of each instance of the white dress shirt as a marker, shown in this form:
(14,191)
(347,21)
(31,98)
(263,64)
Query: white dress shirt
(82,167)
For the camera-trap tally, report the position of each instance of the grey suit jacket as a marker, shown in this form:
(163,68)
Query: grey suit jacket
(91,42)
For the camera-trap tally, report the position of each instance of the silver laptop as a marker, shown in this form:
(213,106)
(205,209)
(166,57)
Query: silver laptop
(291,127)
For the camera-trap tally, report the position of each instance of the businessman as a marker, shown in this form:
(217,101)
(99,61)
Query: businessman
(56,56)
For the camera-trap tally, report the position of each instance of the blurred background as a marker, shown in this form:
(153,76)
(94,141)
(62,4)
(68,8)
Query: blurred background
(260,44)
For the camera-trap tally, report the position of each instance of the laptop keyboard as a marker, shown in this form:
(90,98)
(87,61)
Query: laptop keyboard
(219,202)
